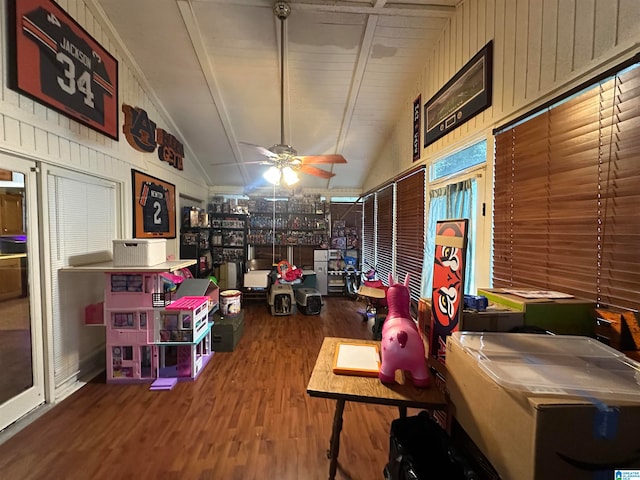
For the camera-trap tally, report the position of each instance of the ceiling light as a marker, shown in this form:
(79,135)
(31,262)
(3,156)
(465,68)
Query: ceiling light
(290,177)
(272,175)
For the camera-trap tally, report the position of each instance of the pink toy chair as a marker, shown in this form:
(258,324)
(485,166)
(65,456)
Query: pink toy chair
(401,345)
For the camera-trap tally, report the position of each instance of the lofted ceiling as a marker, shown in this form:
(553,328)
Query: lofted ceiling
(214,66)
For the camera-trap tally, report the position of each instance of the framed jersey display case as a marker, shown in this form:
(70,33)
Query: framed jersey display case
(154,207)
(57,63)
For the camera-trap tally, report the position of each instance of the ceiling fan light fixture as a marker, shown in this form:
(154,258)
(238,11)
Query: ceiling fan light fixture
(283,158)
(272,175)
(290,176)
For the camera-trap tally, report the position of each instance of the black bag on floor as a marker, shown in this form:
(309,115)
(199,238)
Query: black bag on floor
(420,450)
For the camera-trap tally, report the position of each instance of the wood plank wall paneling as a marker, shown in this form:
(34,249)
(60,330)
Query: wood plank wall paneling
(541,48)
(246,417)
(43,134)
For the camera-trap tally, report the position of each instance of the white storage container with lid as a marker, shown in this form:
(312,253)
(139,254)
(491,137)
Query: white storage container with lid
(553,364)
(139,252)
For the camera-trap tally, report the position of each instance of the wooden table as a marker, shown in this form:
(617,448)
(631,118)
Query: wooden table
(326,384)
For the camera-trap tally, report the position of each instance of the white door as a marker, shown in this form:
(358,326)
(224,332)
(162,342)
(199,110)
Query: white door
(21,330)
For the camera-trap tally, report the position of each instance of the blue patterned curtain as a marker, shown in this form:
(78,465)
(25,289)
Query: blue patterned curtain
(456,200)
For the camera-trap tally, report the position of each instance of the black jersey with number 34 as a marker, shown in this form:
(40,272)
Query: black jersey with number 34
(153,198)
(71,72)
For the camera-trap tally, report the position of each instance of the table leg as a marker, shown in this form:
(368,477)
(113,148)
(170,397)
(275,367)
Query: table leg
(334,443)
(403,412)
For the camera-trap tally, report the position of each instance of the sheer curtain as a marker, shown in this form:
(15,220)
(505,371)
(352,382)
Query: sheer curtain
(456,200)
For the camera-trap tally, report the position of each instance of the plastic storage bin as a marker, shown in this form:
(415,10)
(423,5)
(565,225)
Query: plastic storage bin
(139,253)
(553,364)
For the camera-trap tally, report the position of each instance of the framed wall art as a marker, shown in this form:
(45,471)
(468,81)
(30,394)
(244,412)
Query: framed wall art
(154,207)
(417,104)
(463,97)
(447,300)
(57,63)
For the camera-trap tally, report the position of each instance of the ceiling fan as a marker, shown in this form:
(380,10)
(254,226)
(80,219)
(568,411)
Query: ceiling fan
(283,158)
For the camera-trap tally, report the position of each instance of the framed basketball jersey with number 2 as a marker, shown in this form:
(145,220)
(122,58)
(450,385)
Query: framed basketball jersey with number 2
(154,207)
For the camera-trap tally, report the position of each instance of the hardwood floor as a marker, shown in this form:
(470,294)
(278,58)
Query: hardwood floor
(247,416)
(15,348)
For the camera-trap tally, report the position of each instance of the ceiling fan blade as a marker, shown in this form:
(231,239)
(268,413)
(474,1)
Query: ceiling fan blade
(318,172)
(264,151)
(238,164)
(319,159)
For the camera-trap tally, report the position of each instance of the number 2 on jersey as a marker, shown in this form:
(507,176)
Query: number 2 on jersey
(157,212)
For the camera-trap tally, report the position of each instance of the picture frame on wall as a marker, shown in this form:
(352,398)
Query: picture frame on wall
(463,97)
(54,61)
(154,207)
(417,104)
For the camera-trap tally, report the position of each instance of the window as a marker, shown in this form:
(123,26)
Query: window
(566,196)
(385,222)
(457,194)
(454,200)
(393,229)
(457,162)
(369,233)
(410,194)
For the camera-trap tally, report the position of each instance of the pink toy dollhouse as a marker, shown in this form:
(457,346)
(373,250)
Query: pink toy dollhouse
(182,333)
(128,314)
(149,336)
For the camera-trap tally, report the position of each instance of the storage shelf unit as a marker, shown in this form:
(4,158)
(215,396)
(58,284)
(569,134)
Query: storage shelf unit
(222,240)
(335,282)
(228,238)
(195,243)
(295,222)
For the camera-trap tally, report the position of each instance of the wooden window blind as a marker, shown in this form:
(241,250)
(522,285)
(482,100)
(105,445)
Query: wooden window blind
(410,208)
(566,197)
(385,231)
(369,232)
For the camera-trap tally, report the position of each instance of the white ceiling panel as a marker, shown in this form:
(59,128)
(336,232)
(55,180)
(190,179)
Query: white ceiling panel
(215,67)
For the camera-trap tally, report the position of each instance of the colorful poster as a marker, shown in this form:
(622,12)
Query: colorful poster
(447,300)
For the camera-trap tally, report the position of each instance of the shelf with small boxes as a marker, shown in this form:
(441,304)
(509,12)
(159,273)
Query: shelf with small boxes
(212,239)
(228,238)
(195,242)
(298,221)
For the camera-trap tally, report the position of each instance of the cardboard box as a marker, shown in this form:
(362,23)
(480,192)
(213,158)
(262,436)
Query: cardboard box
(496,318)
(611,330)
(139,252)
(536,437)
(564,316)
(424,318)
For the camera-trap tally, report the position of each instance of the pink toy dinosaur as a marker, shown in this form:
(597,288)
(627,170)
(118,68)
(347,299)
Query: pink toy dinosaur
(402,346)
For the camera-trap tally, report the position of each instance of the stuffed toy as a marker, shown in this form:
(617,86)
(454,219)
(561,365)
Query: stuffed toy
(288,273)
